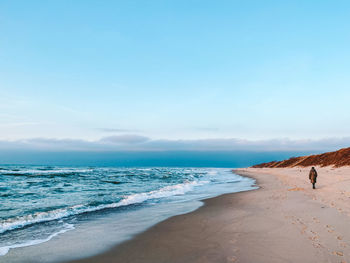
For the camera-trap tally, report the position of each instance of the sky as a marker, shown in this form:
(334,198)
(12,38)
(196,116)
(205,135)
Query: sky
(174,75)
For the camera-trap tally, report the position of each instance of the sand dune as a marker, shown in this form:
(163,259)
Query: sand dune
(336,159)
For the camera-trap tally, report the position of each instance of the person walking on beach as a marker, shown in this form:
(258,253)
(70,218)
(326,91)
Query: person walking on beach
(313,176)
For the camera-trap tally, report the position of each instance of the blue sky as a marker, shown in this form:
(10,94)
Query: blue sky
(207,71)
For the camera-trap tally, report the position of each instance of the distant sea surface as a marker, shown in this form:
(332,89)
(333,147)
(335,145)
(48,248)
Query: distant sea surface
(43,203)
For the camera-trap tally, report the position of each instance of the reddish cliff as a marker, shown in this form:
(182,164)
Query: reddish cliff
(337,159)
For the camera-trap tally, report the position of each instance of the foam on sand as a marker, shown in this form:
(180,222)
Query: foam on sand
(4,250)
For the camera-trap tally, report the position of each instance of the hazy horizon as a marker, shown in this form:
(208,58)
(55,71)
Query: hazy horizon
(218,159)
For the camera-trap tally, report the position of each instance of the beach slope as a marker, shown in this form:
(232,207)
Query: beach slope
(283,221)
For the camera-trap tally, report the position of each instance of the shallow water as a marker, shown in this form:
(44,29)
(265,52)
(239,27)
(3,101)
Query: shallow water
(61,205)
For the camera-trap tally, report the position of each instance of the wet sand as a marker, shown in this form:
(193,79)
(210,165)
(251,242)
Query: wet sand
(283,221)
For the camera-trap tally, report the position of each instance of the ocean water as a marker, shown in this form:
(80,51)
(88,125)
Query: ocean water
(43,205)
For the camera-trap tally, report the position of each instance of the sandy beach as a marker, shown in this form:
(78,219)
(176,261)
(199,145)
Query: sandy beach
(150,131)
(283,221)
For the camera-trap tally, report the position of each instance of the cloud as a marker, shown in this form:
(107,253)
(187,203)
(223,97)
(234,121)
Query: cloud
(132,142)
(125,139)
(235,144)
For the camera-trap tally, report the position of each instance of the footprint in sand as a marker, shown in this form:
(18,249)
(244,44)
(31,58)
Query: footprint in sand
(296,189)
(338,253)
(317,245)
(313,238)
(303,229)
(330,228)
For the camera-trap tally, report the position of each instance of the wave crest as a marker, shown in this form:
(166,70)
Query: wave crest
(39,217)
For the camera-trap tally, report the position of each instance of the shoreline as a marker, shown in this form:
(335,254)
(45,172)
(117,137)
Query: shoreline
(282,221)
(110,256)
(96,233)
(122,252)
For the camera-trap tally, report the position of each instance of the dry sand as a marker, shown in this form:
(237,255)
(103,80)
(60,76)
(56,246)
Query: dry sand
(283,221)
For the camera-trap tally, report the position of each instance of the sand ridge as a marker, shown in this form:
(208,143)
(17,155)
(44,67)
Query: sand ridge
(338,158)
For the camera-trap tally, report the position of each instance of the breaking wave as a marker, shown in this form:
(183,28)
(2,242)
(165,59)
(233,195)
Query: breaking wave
(39,217)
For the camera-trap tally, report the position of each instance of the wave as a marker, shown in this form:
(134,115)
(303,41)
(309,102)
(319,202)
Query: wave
(4,250)
(40,217)
(43,172)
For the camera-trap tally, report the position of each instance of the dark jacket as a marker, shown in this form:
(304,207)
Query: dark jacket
(313,176)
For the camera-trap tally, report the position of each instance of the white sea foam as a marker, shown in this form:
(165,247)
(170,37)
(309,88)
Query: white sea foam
(44,172)
(39,217)
(167,191)
(4,250)
(212,172)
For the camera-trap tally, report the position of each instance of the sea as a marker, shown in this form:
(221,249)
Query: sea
(58,213)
